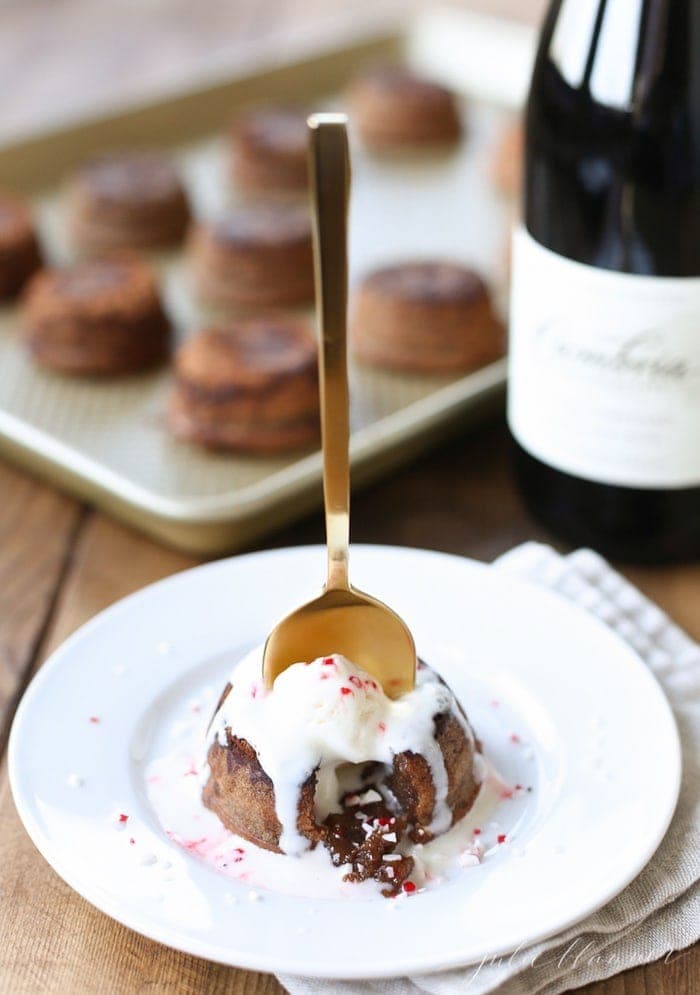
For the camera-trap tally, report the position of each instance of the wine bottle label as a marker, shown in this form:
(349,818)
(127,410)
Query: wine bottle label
(604,370)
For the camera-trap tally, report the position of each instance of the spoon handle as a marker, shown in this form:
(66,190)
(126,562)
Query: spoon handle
(329,166)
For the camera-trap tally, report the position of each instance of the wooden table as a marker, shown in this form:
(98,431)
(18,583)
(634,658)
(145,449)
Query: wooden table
(61,562)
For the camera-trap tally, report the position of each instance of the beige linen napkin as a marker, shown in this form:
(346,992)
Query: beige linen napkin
(659,913)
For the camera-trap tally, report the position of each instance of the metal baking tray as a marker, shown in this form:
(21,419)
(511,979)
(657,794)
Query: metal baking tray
(107,440)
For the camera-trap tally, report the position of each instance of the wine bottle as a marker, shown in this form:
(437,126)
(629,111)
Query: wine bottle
(604,377)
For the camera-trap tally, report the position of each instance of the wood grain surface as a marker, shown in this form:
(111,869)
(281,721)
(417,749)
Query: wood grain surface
(61,562)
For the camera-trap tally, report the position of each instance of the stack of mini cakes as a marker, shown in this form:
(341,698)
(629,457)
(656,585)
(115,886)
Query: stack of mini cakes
(246,381)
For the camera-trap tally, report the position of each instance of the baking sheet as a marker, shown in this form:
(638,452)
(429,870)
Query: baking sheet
(108,441)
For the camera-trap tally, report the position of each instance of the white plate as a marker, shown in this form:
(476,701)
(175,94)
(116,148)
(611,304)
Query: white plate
(596,737)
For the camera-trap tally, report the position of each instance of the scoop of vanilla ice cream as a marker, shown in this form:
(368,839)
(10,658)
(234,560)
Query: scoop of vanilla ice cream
(338,707)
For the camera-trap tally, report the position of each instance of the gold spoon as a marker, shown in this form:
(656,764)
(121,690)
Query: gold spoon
(342,620)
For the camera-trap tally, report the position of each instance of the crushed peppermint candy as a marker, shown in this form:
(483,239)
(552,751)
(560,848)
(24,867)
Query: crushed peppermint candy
(370,796)
(468,859)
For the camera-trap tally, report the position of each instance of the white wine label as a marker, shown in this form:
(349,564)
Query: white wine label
(604,370)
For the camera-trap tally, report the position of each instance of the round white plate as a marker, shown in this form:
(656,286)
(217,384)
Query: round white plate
(578,715)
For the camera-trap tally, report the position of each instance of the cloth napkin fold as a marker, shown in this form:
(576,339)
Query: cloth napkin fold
(658,914)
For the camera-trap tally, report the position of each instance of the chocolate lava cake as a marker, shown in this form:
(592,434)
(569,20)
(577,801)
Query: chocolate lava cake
(387,805)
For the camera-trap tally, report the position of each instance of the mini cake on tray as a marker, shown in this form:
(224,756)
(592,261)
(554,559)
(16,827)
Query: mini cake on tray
(325,757)
(254,256)
(19,248)
(248,386)
(99,317)
(269,152)
(426,318)
(127,200)
(393,109)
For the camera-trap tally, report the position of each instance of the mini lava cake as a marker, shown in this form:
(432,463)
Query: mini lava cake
(325,757)
(127,200)
(248,386)
(269,151)
(99,317)
(19,248)
(425,317)
(393,109)
(254,256)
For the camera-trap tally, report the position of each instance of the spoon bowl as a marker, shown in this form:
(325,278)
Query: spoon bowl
(353,624)
(342,620)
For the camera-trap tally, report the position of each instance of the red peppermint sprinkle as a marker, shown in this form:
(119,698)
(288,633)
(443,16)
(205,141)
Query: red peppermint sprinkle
(354,679)
(518,787)
(501,838)
(384,820)
(382,727)
(328,661)
(345,690)
(192,845)
(514,738)
(505,795)
(409,887)
(476,832)
(94,719)
(132,841)
(237,854)
(123,817)
(191,771)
